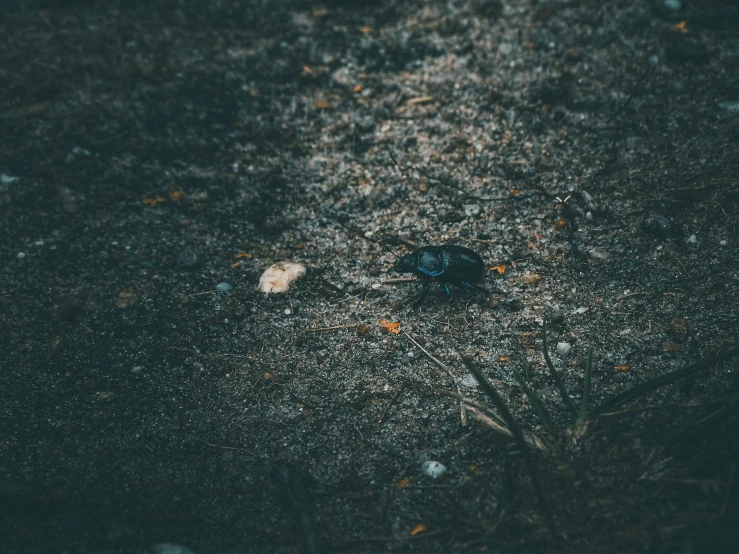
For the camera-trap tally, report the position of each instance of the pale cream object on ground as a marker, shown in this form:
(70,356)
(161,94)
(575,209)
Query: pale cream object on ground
(277,278)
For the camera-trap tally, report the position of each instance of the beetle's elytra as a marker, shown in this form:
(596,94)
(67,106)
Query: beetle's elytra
(449,264)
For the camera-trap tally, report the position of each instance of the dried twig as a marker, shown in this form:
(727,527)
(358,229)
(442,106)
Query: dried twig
(462,410)
(346,326)
(387,406)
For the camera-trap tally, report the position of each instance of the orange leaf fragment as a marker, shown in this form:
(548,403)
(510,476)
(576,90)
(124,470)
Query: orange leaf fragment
(499,268)
(516,191)
(366,29)
(420,528)
(504,359)
(477,470)
(622,367)
(246,255)
(403,483)
(152,201)
(307,69)
(176,195)
(393,328)
(561,223)
(322,104)
(681,27)
(234,266)
(358,88)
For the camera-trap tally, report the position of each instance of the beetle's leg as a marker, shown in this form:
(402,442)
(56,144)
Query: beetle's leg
(426,286)
(448,292)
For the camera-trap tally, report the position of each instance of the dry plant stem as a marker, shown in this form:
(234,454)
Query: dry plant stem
(462,409)
(390,403)
(662,380)
(553,372)
(348,325)
(495,398)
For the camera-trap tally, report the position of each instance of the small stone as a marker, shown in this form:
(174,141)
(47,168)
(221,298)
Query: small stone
(7,179)
(288,311)
(670,346)
(505,48)
(224,287)
(530,278)
(729,106)
(20,255)
(597,254)
(589,216)
(188,258)
(433,469)
(673,4)
(556,317)
(470,381)
(692,239)
(581,310)
(472,209)
(564,348)
(723,243)
(278,277)
(376,286)
(126,298)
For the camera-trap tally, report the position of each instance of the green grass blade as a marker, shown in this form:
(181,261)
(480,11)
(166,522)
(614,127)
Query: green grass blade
(662,380)
(586,392)
(536,402)
(497,401)
(553,372)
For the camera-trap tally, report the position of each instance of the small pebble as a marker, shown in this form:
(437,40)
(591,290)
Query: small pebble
(673,4)
(288,311)
(589,216)
(433,469)
(20,255)
(692,239)
(376,286)
(729,106)
(470,381)
(278,277)
(723,243)
(530,278)
(472,209)
(188,258)
(564,348)
(224,287)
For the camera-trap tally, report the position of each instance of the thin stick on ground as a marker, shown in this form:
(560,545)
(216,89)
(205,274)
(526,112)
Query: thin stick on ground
(390,403)
(346,326)
(462,409)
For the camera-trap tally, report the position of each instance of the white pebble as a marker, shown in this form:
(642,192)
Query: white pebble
(589,216)
(470,382)
(471,209)
(376,286)
(723,243)
(692,239)
(20,255)
(433,469)
(288,311)
(278,277)
(673,4)
(564,348)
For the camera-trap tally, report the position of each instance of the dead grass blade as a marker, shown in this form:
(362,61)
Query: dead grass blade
(553,372)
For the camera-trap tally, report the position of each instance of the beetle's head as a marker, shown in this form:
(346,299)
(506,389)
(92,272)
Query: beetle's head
(406,264)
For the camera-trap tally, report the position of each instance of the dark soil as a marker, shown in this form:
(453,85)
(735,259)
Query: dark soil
(152,150)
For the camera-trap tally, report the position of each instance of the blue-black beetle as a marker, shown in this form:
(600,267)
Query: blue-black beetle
(449,264)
